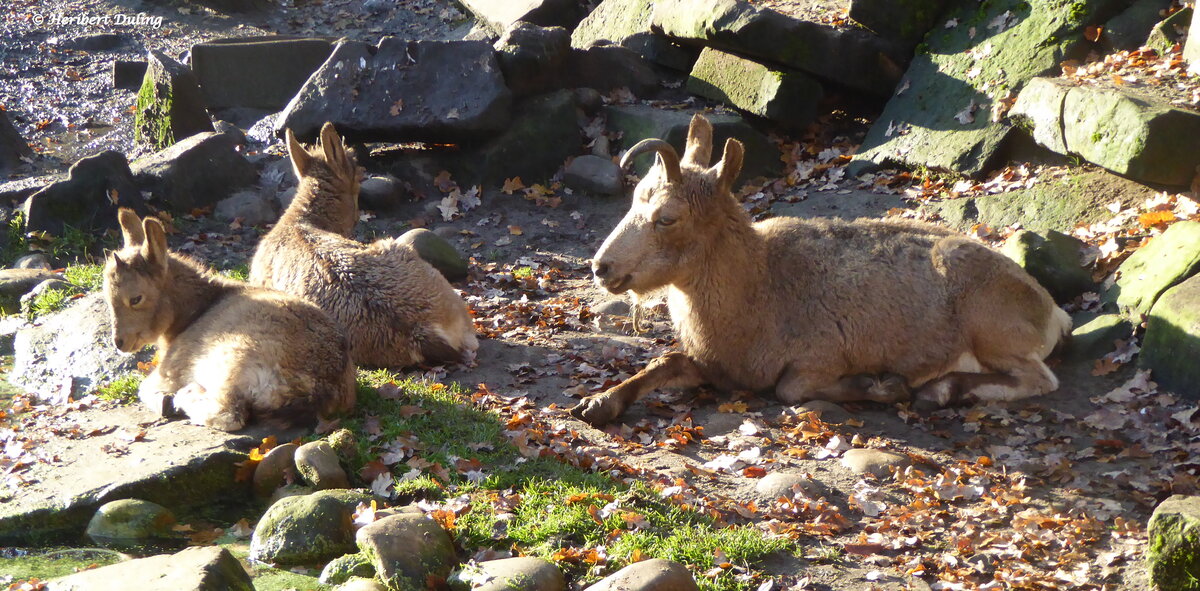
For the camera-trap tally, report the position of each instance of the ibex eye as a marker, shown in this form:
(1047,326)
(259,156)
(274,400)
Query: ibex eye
(665,221)
(135,300)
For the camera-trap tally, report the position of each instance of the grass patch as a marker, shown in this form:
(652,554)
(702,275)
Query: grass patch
(269,578)
(88,277)
(48,301)
(239,272)
(52,563)
(541,506)
(123,388)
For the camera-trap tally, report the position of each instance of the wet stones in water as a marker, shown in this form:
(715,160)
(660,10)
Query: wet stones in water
(532,57)
(193,569)
(307,529)
(406,549)
(277,468)
(593,174)
(343,568)
(87,199)
(436,251)
(13,147)
(318,464)
(169,105)
(509,574)
(877,462)
(131,524)
(648,575)
(196,172)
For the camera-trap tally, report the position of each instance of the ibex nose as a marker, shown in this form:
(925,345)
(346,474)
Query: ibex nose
(600,269)
(120,342)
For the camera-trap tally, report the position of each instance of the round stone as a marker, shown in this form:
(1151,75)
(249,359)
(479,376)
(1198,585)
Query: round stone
(276,469)
(318,464)
(509,574)
(649,575)
(132,524)
(877,462)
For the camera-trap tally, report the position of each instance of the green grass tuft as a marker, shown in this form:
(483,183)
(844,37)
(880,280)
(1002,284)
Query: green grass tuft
(123,388)
(88,277)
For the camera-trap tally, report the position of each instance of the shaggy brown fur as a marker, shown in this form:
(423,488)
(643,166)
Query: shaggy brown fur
(228,353)
(809,307)
(397,309)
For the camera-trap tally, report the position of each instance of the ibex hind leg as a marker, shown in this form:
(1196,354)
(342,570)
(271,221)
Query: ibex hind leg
(1022,378)
(796,387)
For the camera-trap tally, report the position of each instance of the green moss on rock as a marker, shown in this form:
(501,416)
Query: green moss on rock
(307,529)
(1171,347)
(1173,552)
(1163,262)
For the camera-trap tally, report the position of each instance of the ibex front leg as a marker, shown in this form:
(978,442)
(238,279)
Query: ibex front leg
(673,370)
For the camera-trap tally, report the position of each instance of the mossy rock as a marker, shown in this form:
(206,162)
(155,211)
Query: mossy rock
(1163,262)
(1052,259)
(543,133)
(307,529)
(131,524)
(1093,338)
(436,251)
(343,568)
(787,97)
(906,21)
(169,105)
(1171,348)
(523,573)
(1173,552)
(406,549)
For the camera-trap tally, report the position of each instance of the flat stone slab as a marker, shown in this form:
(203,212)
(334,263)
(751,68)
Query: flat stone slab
(88,457)
(786,97)
(194,569)
(261,73)
(1171,347)
(1166,260)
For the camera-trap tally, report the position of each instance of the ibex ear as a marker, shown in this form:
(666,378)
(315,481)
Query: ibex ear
(699,142)
(730,165)
(331,143)
(154,250)
(131,227)
(300,157)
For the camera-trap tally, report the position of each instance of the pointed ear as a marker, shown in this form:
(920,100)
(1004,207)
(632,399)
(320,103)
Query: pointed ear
(730,165)
(300,157)
(331,143)
(699,142)
(154,250)
(118,263)
(131,227)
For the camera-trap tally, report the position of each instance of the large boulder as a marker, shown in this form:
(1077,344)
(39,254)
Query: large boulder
(638,122)
(87,199)
(1096,336)
(1053,259)
(608,67)
(627,23)
(543,133)
(905,21)
(197,172)
(208,568)
(406,549)
(1162,263)
(169,104)
(847,55)
(1129,29)
(70,352)
(13,148)
(1171,347)
(1170,31)
(786,97)
(307,529)
(499,15)
(648,575)
(259,72)
(436,91)
(532,57)
(1174,545)
(941,115)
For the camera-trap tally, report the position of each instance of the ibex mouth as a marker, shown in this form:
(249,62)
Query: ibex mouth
(617,286)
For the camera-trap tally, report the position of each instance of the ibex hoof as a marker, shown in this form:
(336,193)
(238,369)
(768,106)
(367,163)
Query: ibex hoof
(597,410)
(168,405)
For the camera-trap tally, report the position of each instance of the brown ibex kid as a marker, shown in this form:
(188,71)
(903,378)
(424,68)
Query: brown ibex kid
(396,308)
(228,353)
(808,307)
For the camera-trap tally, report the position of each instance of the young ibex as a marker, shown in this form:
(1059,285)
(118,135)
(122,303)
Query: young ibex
(812,308)
(228,353)
(397,310)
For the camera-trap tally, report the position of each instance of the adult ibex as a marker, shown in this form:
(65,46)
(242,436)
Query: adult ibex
(810,308)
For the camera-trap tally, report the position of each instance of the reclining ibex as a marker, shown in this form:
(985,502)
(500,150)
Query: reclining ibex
(810,307)
(228,353)
(396,308)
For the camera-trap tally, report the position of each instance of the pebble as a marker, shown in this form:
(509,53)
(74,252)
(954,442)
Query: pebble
(874,461)
(784,484)
(318,465)
(276,469)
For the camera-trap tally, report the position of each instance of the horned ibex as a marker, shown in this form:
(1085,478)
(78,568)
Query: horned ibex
(810,307)
(396,308)
(228,353)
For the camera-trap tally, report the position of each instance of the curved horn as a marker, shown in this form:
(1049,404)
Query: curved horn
(670,158)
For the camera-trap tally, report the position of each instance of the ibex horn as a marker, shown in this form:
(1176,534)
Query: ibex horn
(669,156)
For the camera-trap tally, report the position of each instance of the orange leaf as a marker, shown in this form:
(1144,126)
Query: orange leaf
(1154,218)
(1092,33)
(513,184)
(754,472)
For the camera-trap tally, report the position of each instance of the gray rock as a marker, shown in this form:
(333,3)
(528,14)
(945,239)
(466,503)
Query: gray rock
(499,15)
(128,75)
(1171,346)
(169,105)
(904,22)
(543,134)
(380,193)
(1053,259)
(288,490)
(1129,29)
(830,412)
(1094,338)
(360,584)
(208,568)
(785,484)
(616,307)
(655,574)
(1040,108)
(877,462)
(54,283)
(436,251)
(1165,261)
(276,469)
(628,23)
(196,172)
(638,122)
(593,174)
(307,529)
(588,99)
(13,148)
(956,131)
(400,90)
(259,72)
(131,524)
(94,42)
(1174,532)
(15,283)
(532,57)
(865,61)
(525,573)
(786,97)
(609,67)
(19,190)
(346,567)
(87,199)
(70,352)
(406,549)
(318,465)
(35,260)
(1169,31)
(1191,49)
(251,206)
